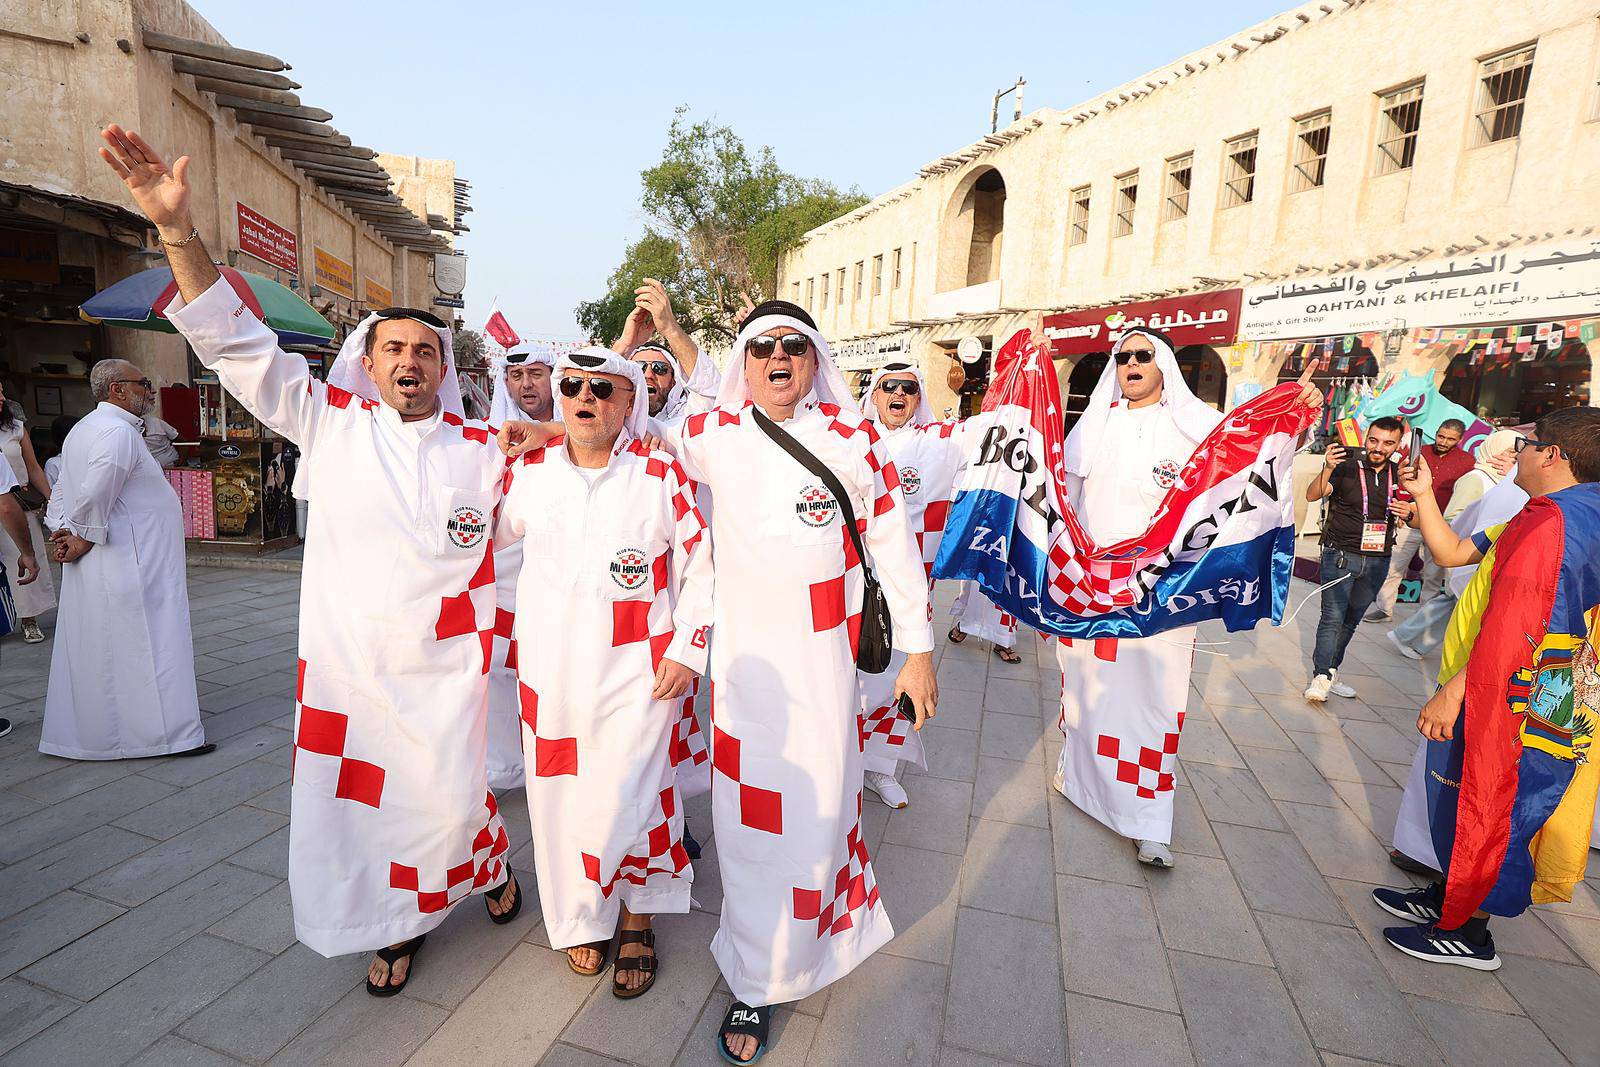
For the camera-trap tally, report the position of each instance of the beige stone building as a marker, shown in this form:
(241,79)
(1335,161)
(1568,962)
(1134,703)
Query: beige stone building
(1379,144)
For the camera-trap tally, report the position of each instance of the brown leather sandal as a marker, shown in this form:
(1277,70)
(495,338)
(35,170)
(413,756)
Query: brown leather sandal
(645,962)
(599,946)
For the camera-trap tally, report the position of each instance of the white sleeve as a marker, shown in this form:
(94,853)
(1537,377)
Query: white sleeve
(89,513)
(276,386)
(703,382)
(890,542)
(691,565)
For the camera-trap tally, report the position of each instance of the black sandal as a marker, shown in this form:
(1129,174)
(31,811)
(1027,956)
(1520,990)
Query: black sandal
(599,946)
(743,1019)
(955,635)
(516,905)
(1007,655)
(646,962)
(406,950)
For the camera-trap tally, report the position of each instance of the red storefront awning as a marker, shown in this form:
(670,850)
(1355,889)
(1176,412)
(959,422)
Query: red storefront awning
(1198,319)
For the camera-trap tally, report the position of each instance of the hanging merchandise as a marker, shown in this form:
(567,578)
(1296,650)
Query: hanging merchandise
(1588,331)
(1349,341)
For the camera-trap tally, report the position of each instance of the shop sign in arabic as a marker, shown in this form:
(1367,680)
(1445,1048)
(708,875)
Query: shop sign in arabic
(1553,281)
(870,353)
(1200,319)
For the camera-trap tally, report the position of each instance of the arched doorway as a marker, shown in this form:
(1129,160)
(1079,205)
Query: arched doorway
(974,232)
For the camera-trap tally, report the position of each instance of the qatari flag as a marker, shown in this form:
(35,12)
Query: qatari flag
(1220,546)
(497,327)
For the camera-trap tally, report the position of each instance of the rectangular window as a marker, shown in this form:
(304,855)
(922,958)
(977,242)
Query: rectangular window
(811,293)
(861,272)
(1239,170)
(1127,197)
(1180,171)
(839,293)
(1311,151)
(897,275)
(1502,91)
(1078,223)
(877,275)
(794,291)
(1399,119)
(827,285)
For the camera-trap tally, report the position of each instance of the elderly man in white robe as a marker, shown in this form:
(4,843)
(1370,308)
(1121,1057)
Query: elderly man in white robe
(616,579)
(391,819)
(1123,698)
(122,670)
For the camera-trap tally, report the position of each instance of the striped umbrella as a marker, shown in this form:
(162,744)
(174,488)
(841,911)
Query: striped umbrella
(141,300)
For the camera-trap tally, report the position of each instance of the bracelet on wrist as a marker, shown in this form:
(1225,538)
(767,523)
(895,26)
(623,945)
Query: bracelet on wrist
(194,235)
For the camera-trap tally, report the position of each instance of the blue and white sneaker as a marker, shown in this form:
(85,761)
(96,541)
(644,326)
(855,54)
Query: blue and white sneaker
(1414,905)
(1443,946)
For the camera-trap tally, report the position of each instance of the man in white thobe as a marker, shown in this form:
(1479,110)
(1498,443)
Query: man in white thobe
(1123,700)
(616,600)
(391,819)
(122,670)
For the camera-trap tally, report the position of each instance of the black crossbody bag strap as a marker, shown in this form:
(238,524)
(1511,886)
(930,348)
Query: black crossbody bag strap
(810,462)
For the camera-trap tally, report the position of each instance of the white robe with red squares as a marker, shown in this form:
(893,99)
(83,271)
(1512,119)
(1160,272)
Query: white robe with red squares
(978,616)
(927,458)
(616,576)
(391,820)
(800,902)
(1123,701)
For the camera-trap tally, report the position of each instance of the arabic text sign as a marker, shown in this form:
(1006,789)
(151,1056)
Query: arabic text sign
(333,273)
(29,256)
(873,352)
(378,295)
(1200,319)
(1553,281)
(266,240)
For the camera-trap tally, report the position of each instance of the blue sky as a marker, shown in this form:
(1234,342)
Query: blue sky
(551,111)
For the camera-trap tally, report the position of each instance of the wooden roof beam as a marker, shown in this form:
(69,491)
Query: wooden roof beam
(228,72)
(252,92)
(267,107)
(219,53)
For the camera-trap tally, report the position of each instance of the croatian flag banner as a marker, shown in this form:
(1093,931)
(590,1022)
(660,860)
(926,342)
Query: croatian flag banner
(1220,545)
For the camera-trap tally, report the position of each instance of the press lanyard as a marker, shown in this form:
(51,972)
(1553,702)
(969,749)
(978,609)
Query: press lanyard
(1388,490)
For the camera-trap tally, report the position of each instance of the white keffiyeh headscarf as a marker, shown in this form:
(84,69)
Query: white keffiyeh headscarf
(503,407)
(678,395)
(1195,418)
(869,407)
(597,360)
(829,385)
(350,374)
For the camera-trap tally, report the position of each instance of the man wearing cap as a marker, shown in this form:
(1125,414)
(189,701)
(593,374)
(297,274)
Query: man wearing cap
(391,821)
(927,456)
(520,390)
(616,593)
(801,907)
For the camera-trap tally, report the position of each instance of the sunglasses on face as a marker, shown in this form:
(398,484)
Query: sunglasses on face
(900,385)
(1141,355)
(143,383)
(1528,442)
(572,385)
(795,345)
(427,318)
(659,367)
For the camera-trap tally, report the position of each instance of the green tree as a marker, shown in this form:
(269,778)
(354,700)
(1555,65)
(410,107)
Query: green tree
(718,219)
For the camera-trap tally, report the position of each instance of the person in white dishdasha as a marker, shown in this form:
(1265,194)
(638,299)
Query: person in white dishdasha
(391,819)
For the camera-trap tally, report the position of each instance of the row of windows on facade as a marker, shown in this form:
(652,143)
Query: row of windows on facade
(1497,116)
(834,282)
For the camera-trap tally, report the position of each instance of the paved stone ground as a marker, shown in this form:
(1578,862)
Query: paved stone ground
(144,915)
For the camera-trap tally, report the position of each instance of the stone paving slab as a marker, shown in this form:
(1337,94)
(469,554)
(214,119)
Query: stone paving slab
(144,916)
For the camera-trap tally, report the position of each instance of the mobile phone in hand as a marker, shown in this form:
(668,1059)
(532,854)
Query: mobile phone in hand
(908,710)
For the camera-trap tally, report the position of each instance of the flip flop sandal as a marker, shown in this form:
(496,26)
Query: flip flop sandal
(955,635)
(645,962)
(743,1019)
(1007,655)
(406,950)
(516,905)
(599,946)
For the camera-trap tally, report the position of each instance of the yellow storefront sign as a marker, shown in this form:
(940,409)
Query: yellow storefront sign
(378,296)
(333,273)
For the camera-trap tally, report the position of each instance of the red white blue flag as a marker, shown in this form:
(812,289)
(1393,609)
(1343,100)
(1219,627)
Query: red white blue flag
(1220,546)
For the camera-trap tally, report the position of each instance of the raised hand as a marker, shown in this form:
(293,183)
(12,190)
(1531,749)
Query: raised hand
(1310,394)
(161,192)
(651,297)
(1416,478)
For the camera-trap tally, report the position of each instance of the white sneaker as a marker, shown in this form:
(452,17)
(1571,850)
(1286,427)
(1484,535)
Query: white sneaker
(1319,688)
(31,634)
(1375,615)
(1401,647)
(1155,854)
(1338,688)
(889,791)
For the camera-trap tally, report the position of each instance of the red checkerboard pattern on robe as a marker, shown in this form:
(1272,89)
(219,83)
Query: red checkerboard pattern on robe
(483,868)
(759,809)
(472,611)
(552,756)
(688,740)
(1151,772)
(886,724)
(854,887)
(667,854)
(323,733)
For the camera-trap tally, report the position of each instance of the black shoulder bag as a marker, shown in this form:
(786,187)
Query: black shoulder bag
(875,639)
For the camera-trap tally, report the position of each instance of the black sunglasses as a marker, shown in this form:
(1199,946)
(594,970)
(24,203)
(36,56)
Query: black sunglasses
(427,318)
(572,385)
(143,383)
(1528,442)
(1143,356)
(794,344)
(900,385)
(655,366)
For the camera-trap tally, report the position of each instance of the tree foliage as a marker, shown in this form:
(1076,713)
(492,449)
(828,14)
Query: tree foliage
(718,219)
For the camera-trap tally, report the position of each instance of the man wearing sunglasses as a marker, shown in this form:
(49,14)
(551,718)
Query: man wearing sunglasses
(392,822)
(122,679)
(674,372)
(613,606)
(1502,795)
